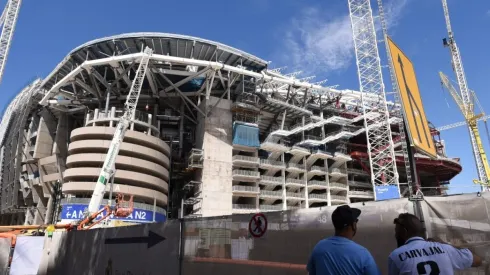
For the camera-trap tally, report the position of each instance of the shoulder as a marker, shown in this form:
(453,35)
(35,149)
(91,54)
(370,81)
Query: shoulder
(361,250)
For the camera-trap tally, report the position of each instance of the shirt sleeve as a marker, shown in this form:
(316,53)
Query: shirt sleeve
(460,258)
(370,267)
(392,267)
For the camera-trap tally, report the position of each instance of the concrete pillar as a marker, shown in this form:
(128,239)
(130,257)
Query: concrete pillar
(96,115)
(112,115)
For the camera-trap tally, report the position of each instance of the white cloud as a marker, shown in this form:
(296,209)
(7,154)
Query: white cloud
(318,44)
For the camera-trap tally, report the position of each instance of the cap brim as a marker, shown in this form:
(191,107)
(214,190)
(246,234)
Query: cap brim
(356,212)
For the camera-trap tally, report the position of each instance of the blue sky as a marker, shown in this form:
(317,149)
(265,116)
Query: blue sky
(313,36)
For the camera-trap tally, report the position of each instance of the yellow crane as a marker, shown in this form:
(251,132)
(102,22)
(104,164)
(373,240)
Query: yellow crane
(472,121)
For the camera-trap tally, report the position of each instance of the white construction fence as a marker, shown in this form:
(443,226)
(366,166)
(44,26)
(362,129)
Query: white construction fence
(265,243)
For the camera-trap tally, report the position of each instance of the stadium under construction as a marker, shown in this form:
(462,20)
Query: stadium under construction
(216,132)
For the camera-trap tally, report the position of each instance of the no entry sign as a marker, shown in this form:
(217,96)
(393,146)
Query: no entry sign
(257,225)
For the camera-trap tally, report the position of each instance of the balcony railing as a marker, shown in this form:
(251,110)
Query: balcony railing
(296,166)
(354,183)
(295,195)
(317,168)
(245,159)
(318,196)
(295,182)
(338,185)
(338,198)
(274,194)
(337,171)
(317,183)
(268,179)
(241,188)
(357,172)
(244,206)
(265,207)
(273,163)
(246,173)
(361,193)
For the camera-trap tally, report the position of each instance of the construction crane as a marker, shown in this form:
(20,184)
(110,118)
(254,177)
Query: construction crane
(108,168)
(7,21)
(463,99)
(462,123)
(472,122)
(379,139)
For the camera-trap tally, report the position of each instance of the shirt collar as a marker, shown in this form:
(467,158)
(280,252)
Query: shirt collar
(414,239)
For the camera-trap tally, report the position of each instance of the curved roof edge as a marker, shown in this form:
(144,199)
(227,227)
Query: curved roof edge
(169,35)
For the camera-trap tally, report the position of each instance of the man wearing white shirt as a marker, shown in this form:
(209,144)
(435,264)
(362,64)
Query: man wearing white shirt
(415,255)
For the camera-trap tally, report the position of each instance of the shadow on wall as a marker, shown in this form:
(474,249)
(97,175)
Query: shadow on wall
(224,245)
(138,249)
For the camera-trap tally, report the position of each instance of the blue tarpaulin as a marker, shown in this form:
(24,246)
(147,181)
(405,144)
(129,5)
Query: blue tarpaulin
(245,135)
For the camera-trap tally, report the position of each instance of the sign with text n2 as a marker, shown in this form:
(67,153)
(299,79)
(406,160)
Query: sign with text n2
(386,192)
(75,212)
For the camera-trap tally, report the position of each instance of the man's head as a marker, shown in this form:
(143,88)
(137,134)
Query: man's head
(407,226)
(345,219)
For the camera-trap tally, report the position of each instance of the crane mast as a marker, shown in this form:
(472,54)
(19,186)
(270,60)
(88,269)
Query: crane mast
(108,168)
(467,105)
(379,141)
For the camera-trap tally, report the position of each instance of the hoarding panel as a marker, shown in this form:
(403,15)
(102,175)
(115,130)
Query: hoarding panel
(413,109)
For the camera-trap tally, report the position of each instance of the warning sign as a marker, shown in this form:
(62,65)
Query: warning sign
(257,225)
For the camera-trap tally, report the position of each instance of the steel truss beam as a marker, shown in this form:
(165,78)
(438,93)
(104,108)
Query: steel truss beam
(379,141)
(348,96)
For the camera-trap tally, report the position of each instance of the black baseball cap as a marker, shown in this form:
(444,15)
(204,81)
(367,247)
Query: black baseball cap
(344,216)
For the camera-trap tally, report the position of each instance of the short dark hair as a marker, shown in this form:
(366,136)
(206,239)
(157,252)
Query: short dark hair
(411,223)
(343,216)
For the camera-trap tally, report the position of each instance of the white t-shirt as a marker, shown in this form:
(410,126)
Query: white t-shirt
(419,256)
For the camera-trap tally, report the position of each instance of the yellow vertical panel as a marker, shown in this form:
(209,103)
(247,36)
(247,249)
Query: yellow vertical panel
(413,109)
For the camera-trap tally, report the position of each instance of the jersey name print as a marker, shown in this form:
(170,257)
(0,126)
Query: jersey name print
(414,253)
(421,257)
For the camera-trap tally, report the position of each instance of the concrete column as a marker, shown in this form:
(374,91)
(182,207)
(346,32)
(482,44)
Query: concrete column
(283,175)
(96,115)
(150,121)
(113,115)
(305,177)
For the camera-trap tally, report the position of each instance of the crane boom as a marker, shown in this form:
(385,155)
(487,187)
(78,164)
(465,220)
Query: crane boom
(108,167)
(459,124)
(9,17)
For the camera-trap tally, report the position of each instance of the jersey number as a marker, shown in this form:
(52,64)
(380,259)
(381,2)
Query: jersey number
(434,268)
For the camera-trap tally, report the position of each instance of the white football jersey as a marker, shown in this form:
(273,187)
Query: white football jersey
(419,256)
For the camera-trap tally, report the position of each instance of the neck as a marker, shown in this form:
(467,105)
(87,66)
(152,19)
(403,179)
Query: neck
(343,235)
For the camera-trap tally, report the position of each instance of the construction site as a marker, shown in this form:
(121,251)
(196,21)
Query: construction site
(183,139)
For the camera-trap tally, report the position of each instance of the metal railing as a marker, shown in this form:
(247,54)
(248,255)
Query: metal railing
(317,168)
(339,198)
(356,171)
(243,206)
(247,118)
(271,179)
(247,173)
(318,196)
(266,207)
(265,162)
(241,188)
(354,183)
(245,158)
(295,195)
(361,193)
(267,193)
(339,185)
(297,166)
(337,170)
(295,181)
(317,182)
